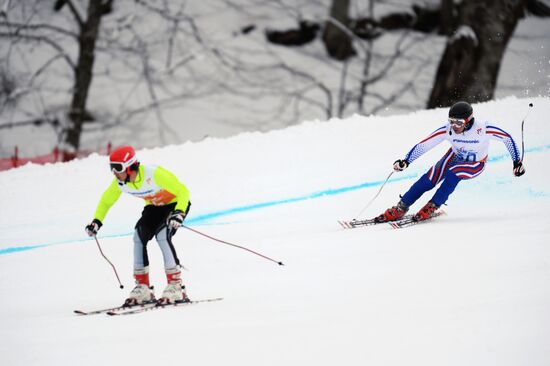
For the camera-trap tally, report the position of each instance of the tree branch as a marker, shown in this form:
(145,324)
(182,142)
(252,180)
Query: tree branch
(75,13)
(36,28)
(33,38)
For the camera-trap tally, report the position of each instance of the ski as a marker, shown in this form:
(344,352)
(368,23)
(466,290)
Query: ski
(151,307)
(116,308)
(400,224)
(351,224)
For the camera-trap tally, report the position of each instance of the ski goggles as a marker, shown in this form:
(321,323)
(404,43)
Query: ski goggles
(118,167)
(458,122)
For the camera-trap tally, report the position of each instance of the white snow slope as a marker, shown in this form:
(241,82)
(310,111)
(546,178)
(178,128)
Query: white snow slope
(469,288)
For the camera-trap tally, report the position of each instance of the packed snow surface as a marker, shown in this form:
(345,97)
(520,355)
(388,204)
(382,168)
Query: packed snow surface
(469,288)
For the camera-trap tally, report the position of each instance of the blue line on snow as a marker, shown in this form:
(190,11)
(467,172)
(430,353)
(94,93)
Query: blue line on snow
(329,192)
(204,218)
(22,249)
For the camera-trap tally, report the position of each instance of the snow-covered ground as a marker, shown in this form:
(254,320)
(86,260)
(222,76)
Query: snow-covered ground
(469,288)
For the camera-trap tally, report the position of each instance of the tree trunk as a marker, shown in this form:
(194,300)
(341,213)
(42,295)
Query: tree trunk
(338,42)
(470,64)
(446,26)
(83,77)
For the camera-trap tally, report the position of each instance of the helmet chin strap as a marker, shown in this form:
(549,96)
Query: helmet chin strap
(122,182)
(125,181)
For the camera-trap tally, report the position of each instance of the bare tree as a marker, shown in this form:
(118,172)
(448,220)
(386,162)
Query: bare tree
(124,45)
(361,66)
(88,30)
(25,29)
(173,66)
(117,73)
(470,64)
(478,31)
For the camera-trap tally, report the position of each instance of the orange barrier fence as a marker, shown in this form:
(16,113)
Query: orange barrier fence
(55,156)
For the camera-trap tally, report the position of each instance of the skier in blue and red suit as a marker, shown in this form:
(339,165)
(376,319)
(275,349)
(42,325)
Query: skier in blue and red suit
(469,139)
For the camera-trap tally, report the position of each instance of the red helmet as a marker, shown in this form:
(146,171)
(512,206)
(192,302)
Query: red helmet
(123,159)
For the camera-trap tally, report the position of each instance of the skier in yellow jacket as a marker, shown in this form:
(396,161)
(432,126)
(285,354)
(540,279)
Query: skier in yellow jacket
(166,205)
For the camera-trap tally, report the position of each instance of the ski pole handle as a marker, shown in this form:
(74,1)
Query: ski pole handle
(522,139)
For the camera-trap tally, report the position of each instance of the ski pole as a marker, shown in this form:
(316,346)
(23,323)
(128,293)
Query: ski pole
(114,269)
(233,245)
(377,194)
(522,139)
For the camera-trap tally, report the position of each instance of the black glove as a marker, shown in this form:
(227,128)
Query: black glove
(519,170)
(175,219)
(93,228)
(400,165)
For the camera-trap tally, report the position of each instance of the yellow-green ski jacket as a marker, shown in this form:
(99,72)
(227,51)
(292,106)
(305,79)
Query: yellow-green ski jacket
(154,184)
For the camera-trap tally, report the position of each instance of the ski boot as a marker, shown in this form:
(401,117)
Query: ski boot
(142,293)
(426,211)
(393,213)
(174,291)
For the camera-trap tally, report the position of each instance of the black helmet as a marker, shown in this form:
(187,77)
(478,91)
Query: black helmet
(461,110)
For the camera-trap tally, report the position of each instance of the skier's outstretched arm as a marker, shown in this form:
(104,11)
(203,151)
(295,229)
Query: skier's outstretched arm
(434,139)
(108,199)
(496,133)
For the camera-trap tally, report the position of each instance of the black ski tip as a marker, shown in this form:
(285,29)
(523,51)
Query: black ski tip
(79,312)
(280,263)
(530,104)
